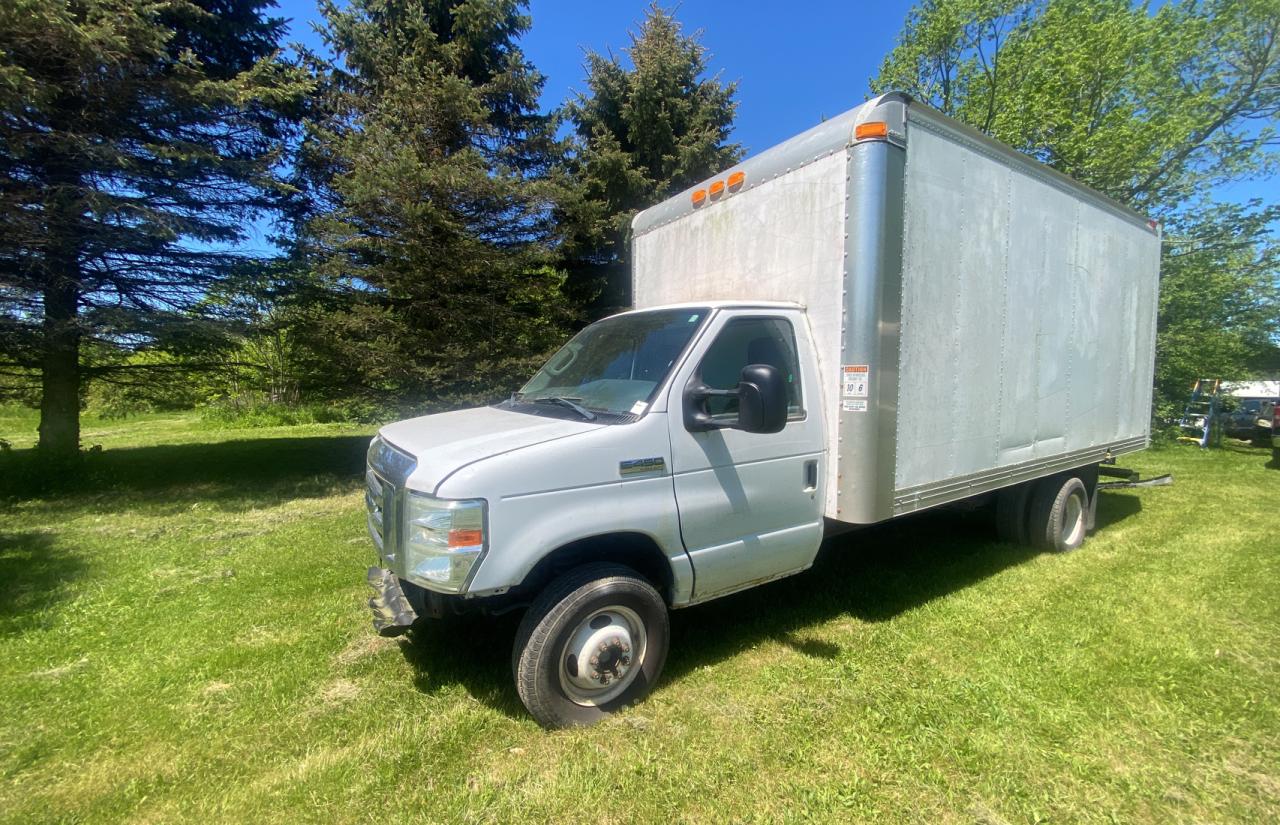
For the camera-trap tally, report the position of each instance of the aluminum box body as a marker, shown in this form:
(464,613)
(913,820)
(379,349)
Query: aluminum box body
(978,318)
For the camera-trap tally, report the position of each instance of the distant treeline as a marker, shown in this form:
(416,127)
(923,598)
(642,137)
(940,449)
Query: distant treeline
(440,233)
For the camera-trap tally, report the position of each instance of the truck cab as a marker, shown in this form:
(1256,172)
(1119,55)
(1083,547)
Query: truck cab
(682,443)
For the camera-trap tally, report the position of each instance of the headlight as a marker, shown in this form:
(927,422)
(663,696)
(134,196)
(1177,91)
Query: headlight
(443,540)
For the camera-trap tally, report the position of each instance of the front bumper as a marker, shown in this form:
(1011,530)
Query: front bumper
(392,613)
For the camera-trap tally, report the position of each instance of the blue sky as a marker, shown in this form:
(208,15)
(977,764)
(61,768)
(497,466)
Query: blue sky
(792,69)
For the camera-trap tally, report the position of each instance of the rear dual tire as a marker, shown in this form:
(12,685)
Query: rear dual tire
(1051,514)
(1059,516)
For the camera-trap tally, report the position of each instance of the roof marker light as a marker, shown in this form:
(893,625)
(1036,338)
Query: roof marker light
(873,129)
(736,180)
(699,197)
(717,189)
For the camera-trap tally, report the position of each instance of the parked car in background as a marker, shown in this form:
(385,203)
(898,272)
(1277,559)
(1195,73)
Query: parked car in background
(1239,422)
(1244,403)
(1265,433)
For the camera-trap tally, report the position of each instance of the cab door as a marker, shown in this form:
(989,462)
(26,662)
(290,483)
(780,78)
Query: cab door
(750,504)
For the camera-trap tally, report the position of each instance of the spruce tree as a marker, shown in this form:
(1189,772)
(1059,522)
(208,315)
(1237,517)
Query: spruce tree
(430,178)
(135,140)
(644,132)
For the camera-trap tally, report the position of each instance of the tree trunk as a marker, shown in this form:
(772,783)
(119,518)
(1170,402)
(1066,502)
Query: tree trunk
(60,361)
(60,371)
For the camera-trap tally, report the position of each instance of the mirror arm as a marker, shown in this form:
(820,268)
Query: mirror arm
(700,421)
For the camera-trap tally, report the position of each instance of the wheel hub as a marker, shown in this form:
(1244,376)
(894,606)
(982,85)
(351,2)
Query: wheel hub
(611,661)
(600,659)
(1073,521)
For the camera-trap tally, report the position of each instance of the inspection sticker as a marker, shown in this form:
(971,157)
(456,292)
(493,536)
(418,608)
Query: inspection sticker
(853,406)
(854,380)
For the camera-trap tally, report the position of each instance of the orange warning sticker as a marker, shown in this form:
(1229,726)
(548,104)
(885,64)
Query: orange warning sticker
(855,380)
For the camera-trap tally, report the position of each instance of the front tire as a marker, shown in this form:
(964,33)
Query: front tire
(591,644)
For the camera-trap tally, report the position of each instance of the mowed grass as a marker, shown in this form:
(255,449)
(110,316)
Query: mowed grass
(183,637)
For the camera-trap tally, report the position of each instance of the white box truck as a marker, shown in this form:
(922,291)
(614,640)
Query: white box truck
(887,313)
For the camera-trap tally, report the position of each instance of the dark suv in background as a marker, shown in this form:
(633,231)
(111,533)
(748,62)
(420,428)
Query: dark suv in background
(1241,421)
(1265,433)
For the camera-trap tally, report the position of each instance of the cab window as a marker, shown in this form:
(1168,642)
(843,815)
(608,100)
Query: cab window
(745,341)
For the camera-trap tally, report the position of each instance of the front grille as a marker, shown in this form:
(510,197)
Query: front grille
(375,501)
(385,474)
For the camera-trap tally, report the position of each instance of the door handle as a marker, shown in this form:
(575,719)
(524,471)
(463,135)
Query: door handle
(811,474)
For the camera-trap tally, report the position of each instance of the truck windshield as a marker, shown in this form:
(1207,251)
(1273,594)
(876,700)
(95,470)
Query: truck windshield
(613,366)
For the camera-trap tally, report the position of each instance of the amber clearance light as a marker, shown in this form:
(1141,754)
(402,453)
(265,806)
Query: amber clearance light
(874,129)
(717,188)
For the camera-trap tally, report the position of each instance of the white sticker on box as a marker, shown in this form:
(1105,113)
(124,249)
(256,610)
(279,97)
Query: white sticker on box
(638,407)
(855,380)
(853,406)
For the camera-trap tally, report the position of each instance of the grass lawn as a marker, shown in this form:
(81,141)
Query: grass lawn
(184,638)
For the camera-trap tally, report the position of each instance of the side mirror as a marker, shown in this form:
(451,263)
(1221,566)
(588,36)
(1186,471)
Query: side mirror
(762,399)
(762,402)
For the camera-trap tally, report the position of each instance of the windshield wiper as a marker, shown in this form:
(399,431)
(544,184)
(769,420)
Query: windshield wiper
(564,402)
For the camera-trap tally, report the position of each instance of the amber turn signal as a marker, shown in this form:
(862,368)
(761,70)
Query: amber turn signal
(465,538)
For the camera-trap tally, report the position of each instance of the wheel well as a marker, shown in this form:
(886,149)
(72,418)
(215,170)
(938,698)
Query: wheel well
(635,550)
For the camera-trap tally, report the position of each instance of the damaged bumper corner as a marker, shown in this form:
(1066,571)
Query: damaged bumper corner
(392,613)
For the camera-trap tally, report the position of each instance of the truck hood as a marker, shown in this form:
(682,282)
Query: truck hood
(445,443)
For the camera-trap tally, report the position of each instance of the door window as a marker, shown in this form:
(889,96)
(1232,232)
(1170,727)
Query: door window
(746,341)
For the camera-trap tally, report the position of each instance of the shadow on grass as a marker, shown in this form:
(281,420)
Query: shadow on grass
(471,651)
(1252,450)
(222,473)
(1116,506)
(34,571)
(873,574)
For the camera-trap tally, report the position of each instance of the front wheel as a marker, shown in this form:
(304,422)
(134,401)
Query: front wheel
(592,643)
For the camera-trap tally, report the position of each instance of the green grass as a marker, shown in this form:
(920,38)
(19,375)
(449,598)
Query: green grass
(183,637)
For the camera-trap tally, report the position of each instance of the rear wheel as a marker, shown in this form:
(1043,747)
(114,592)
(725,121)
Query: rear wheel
(1059,515)
(1012,504)
(592,643)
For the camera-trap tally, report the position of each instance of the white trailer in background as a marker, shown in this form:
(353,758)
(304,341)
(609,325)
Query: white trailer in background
(886,313)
